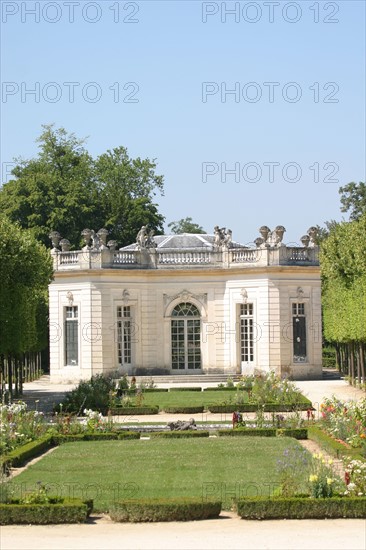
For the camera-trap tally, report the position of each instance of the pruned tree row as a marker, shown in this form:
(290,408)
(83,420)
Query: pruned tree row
(25,272)
(343,263)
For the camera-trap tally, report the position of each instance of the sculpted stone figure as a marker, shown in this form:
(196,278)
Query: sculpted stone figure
(180,425)
(141,237)
(223,237)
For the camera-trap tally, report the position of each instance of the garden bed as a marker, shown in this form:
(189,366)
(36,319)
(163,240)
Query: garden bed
(333,446)
(301,508)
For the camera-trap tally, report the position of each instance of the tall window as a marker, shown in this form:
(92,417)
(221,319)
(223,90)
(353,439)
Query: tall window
(299,332)
(71,336)
(124,335)
(246,333)
(186,337)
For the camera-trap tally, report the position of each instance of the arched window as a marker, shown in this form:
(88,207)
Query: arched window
(186,337)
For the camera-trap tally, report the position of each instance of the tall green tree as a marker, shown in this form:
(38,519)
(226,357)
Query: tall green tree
(185,225)
(25,272)
(353,199)
(343,265)
(66,190)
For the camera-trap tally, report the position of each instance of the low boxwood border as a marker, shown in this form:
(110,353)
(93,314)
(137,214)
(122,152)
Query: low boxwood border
(301,508)
(102,436)
(152,390)
(231,388)
(19,456)
(175,509)
(296,433)
(131,411)
(184,410)
(184,388)
(252,407)
(66,511)
(180,434)
(260,432)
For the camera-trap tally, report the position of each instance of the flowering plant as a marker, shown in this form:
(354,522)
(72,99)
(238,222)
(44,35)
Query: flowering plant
(345,420)
(293,468)
(322,481)
(19,426)
(355,478)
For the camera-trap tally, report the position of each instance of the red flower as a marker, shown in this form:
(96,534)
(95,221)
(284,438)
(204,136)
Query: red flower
(347,478)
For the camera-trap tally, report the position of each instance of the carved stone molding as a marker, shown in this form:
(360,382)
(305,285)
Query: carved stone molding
(184,296)
(125,296)
(70,298)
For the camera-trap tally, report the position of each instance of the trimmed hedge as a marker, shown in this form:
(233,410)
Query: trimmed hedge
(252,407)
(129,435)
(134,391)
(261,432)
(301,508)
(331,445)
(152,390)
(175,509)
(19,456)
(183,388)
(296,433)
(102,436)
(130,411)
(66,511)
(231,388)
(184,410)
(178,434)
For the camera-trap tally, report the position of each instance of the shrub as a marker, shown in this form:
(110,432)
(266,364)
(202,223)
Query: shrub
(184,410)
(89,394)
(178,509)
(66,511)
(301,508)
(177,434)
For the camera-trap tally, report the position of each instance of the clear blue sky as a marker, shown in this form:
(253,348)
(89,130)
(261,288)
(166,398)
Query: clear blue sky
(169,50)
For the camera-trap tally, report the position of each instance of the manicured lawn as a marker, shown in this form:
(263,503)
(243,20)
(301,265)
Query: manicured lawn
(112,470)
(191,398)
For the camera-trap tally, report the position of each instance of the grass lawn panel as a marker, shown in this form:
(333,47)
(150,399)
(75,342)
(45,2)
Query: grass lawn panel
(193,398)
(108,471)
(190,398)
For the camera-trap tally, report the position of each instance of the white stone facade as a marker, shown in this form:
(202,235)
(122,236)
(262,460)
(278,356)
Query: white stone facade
(186,304)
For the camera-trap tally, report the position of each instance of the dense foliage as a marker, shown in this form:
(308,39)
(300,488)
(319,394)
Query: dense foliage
(25,272)
(343,264)
(66,190)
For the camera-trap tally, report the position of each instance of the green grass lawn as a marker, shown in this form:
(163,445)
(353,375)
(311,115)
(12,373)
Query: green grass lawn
(110,470)
(191,398)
